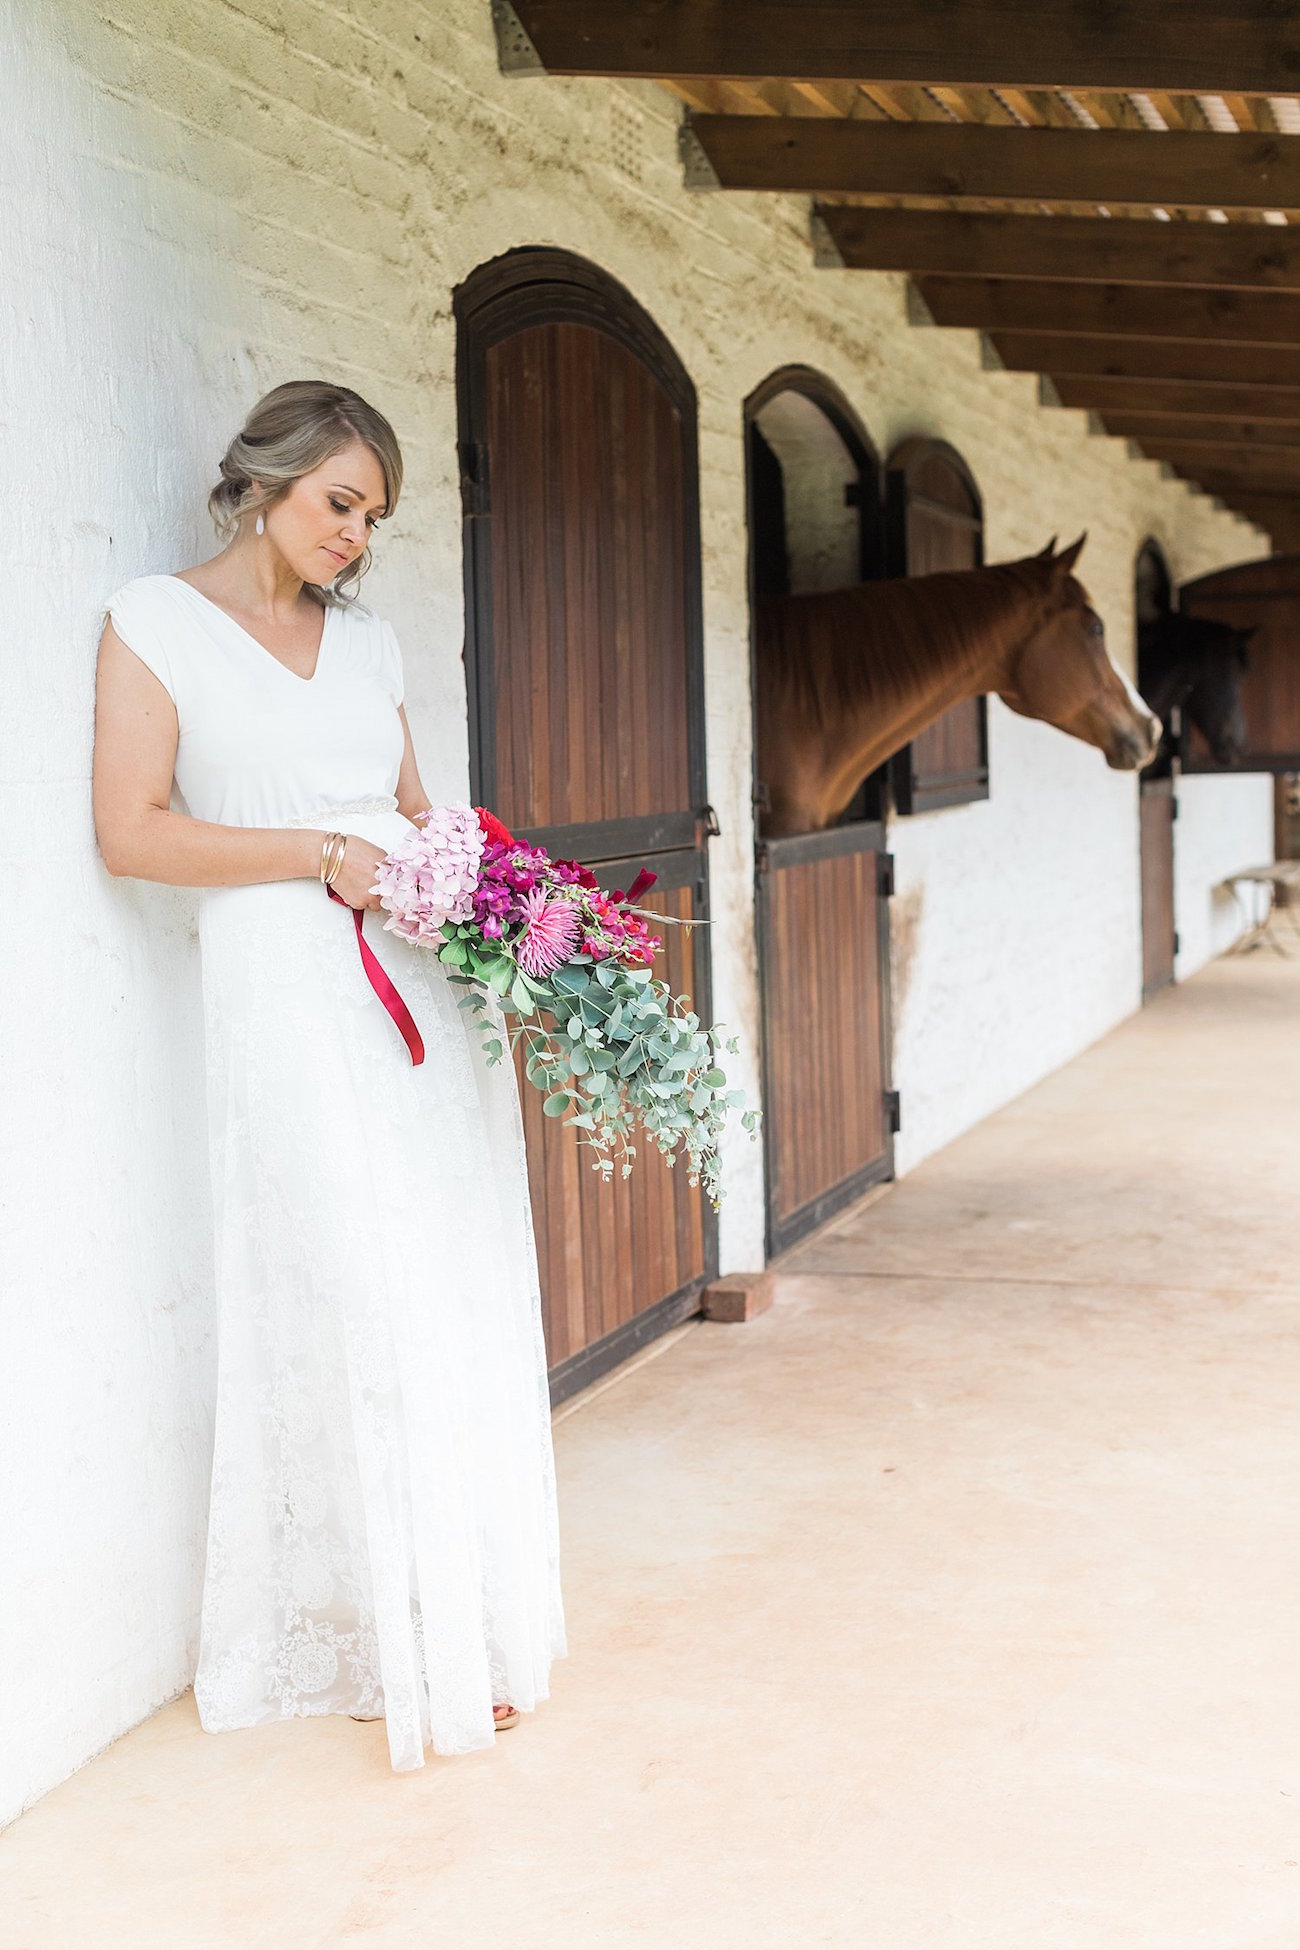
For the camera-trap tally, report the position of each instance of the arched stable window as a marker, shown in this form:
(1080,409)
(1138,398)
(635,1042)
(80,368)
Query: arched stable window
(934,520)
(1153,588)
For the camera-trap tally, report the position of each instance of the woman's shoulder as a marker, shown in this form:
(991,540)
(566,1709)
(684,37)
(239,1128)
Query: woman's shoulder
(375,641)
(144,589)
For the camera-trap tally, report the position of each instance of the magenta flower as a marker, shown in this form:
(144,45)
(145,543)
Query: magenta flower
(550,933)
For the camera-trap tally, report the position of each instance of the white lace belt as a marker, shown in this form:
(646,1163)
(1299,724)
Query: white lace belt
(329,816)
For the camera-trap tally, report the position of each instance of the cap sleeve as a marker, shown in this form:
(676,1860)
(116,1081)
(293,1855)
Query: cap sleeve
(391,662)
(134,613)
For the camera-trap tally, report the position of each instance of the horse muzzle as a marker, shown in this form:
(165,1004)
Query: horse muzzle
(1134,746)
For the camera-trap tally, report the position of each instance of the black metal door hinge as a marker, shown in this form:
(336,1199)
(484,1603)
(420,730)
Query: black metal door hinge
(1178,946)
(894,1111)
(885,875)
(475,496)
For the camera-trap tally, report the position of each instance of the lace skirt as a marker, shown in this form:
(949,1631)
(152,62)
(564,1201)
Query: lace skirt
(382,1533)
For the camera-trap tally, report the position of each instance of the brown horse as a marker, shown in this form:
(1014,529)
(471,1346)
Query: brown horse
(846,678)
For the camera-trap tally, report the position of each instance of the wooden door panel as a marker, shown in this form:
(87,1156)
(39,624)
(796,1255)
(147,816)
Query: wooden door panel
(588,582)
(823,948)
(1157,844)
(608,1252)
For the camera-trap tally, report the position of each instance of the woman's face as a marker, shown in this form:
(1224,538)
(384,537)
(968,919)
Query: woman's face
(323,522)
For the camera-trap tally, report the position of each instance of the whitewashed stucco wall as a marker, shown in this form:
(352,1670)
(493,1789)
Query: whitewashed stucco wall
(1223,823)
(199,198)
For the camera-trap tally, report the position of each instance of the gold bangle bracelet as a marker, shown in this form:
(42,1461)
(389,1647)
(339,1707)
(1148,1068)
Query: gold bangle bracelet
(336,865)
(331,857)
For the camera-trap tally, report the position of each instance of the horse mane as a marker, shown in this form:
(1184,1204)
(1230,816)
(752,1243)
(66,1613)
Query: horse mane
(830,653)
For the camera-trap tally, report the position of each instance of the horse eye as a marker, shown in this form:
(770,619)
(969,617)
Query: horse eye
(1095,626)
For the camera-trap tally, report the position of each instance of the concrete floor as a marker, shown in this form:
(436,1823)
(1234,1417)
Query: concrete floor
(955,1603)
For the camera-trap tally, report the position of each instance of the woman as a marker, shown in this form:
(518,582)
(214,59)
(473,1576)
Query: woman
(382,1531)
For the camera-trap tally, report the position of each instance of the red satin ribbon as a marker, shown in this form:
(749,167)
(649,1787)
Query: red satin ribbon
(379,982)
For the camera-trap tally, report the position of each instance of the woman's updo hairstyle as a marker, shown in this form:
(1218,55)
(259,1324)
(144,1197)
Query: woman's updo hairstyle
(288,433)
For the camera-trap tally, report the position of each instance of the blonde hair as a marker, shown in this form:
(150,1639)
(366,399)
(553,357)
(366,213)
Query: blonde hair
(290,431)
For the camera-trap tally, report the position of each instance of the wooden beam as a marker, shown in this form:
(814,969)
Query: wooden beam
(1097,249)
(1277,514)
(1246,466)
(1110,310)
(1178,400)
(1129,358)
(1179,45)
(947,159)
(1281,436)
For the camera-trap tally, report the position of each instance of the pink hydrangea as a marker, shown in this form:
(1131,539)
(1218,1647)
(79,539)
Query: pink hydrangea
(431,876)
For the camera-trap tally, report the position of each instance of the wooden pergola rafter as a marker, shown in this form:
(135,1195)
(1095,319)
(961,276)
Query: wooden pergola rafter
(1108,191)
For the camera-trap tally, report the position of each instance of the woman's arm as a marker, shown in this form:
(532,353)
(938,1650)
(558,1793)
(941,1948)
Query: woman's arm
(411,795)
(135,753)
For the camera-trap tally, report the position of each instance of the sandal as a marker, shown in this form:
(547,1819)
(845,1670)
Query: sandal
(507,1716)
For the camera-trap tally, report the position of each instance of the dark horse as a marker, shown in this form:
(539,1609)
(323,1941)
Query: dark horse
(846,678)
(1196,665)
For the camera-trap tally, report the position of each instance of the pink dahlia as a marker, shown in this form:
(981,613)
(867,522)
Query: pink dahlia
(550,933)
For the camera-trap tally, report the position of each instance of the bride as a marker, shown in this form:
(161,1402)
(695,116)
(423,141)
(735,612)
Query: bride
(382,1532)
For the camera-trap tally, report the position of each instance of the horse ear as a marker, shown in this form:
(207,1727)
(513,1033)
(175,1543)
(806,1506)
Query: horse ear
(1046,554)
(1066,560)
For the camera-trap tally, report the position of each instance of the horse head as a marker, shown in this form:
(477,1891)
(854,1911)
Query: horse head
(1062,671)
(1198,663)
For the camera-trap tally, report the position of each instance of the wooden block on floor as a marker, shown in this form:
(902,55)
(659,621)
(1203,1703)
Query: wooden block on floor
(740,1296)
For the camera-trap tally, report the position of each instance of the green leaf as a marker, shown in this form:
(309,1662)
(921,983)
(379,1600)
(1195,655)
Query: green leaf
(520,997)
(556,1104)
(714,1079)
(579,1061)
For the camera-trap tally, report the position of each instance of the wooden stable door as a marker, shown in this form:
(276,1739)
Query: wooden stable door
(1157,806)
(822,910)
(584,668)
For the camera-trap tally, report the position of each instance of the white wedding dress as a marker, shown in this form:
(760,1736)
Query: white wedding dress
(382,1533)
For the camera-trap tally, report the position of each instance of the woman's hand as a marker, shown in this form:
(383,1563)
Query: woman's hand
(356,876)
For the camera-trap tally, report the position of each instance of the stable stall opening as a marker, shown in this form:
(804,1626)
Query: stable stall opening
(934,520)
(822,915)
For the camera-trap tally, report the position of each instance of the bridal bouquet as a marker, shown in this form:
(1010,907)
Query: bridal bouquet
(610,1046)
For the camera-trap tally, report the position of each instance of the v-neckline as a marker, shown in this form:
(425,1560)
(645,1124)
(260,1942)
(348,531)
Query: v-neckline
(257,641)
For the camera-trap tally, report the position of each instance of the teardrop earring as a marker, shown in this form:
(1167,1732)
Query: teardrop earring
(261,525)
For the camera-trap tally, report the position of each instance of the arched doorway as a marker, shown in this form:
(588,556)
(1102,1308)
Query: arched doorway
(814,510)
(934,520)
(585,679)
(1153,599)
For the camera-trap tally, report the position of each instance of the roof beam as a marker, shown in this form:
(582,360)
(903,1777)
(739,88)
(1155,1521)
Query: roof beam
(1242,467)
(1277,514)
(1177,400)
(1179,45)
(1108,310)
(818,154)
(1129,358)
(1096,249)
(1150,428)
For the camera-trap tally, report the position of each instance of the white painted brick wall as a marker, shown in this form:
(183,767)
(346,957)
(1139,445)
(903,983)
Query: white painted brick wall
(1222,823)
(199,198)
